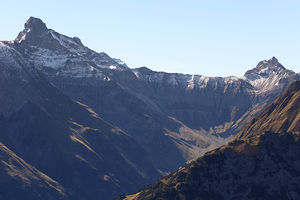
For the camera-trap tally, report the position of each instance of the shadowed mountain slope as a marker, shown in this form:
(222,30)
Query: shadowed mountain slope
(19,180)
(66,140)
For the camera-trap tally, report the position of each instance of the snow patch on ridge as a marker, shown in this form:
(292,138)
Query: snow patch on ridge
(24,35)
(69,43)
(186,81)
(46,58)
(7,56)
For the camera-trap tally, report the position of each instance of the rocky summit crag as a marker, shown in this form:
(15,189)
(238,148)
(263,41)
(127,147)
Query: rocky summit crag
(95,127)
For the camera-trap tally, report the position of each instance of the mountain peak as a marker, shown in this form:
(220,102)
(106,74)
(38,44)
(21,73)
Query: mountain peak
(33,28)
(273,63)
(37,34)
(50,49)
(267,74)
(274,59)
(35,24)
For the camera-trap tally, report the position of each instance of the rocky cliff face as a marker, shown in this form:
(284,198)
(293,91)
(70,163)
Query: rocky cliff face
(260,164)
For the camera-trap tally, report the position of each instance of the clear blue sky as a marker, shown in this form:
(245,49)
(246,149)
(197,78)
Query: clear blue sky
(212,37)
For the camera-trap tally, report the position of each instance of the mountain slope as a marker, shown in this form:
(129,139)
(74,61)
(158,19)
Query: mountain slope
(282,116)
(95,80)
(19,180)
(262,165)
(66,140)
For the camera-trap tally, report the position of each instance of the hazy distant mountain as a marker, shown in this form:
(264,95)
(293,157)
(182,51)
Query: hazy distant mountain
(62,104)
(263,164)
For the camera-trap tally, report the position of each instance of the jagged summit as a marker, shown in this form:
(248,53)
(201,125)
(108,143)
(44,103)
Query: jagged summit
(267,74)
(33,28)
(49,50)
(274,59)
(265,66)
(35,24)
(36,33)
(272,63)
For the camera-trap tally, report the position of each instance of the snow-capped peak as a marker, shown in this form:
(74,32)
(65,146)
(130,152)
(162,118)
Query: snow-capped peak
(37,34)
(266,74)
(47,48)
(265,68)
